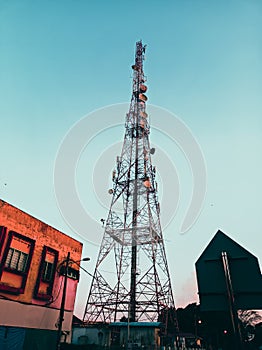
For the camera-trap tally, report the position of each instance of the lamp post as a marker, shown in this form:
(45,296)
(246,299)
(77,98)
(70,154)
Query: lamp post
(63,300)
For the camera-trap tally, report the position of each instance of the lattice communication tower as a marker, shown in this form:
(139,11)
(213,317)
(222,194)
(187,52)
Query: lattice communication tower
(131,277)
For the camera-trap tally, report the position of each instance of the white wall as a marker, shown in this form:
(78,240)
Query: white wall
(15,314)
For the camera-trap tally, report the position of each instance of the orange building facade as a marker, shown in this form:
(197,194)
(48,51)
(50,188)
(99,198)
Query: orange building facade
(32,256)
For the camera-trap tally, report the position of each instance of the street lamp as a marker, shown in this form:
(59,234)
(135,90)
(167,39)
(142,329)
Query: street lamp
(67,261)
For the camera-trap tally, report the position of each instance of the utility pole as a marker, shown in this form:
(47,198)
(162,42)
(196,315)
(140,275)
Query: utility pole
(62,306)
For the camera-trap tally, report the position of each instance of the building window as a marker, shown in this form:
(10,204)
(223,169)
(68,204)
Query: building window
(16,260)
(48,271)
(15,263)
(71,272)
(46,274)
(2,237)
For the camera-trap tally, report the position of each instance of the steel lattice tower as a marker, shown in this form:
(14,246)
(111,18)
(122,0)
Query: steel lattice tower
(132,248)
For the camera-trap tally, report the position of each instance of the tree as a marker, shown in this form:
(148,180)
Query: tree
(187,317)
(248,320)
(168,317)
(249,317)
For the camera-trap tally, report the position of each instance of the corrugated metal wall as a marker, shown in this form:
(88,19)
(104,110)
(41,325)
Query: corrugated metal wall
(11,338)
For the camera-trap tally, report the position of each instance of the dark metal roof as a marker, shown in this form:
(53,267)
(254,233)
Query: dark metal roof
(136,324)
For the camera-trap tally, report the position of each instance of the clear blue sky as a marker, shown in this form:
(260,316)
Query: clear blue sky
(60,60)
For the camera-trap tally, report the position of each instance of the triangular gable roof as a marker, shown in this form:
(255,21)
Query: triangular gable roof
(221,242)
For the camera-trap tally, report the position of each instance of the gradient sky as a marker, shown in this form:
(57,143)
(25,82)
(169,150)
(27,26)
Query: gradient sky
(61,60)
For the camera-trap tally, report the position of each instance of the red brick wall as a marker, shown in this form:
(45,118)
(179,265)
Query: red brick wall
(44,235)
